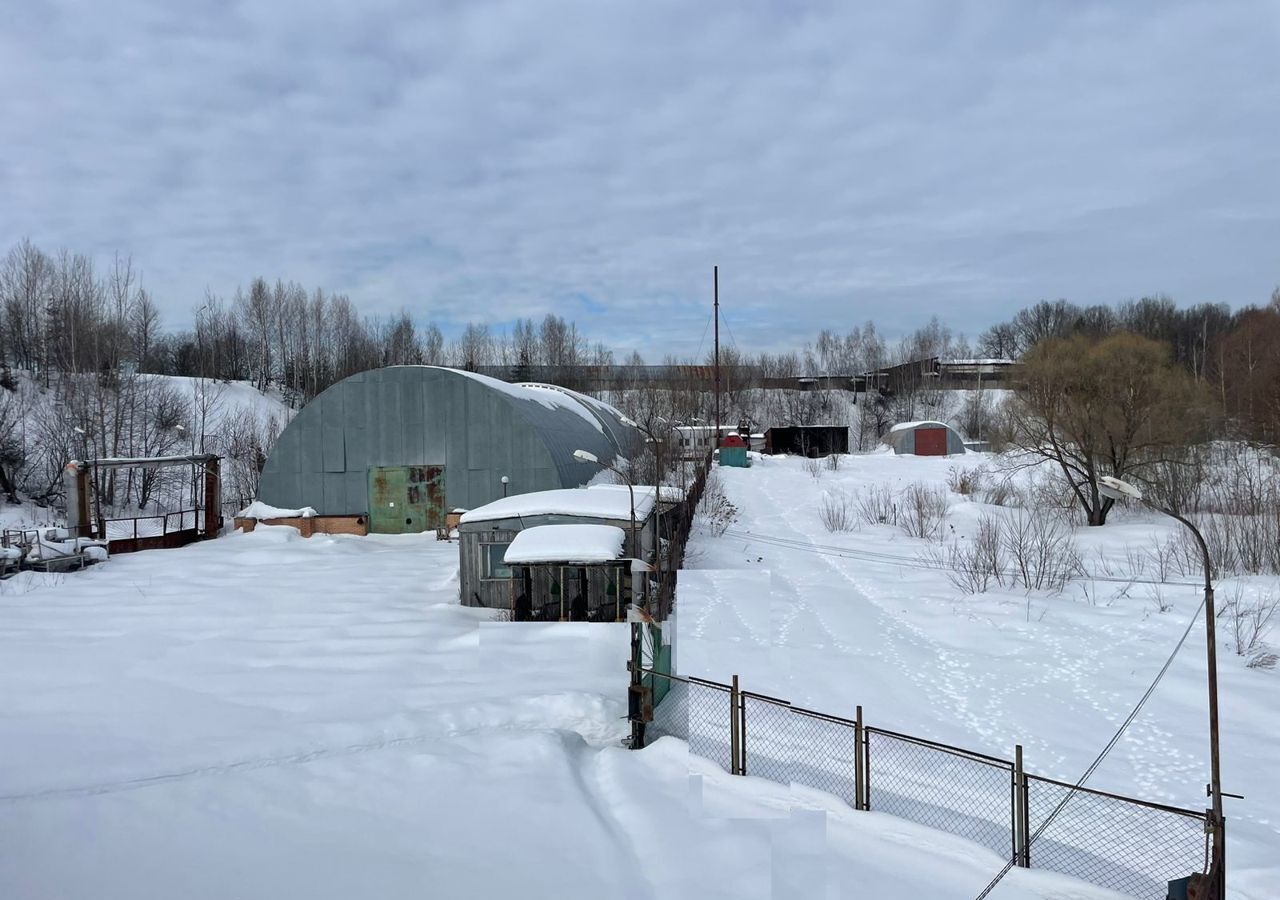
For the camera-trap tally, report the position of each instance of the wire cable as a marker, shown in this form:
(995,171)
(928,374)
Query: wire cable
(914,562)
(1115,738)
(706,325)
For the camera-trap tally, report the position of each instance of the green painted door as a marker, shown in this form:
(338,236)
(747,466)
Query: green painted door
(405,499)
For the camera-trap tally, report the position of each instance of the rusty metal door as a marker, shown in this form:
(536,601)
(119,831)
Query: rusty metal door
(931,442)
(405,499)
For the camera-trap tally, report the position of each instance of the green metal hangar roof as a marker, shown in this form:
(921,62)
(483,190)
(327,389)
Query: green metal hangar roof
(469,429)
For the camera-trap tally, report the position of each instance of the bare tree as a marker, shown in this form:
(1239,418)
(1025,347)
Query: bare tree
(1109,407)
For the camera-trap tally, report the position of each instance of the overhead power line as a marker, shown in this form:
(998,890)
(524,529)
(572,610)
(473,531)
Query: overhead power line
(914,562)
(1115,738)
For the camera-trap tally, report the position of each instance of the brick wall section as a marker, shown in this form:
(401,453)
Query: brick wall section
(309,525)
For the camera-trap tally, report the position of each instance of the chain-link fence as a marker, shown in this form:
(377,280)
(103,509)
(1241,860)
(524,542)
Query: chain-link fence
(698,712)
(943,787)
(1128,845)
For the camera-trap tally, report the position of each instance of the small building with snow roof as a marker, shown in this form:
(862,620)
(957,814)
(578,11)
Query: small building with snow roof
(486,536)
(925,439)
(578,573)
(395,448)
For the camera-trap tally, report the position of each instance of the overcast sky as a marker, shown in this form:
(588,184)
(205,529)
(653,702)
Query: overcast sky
(492,160)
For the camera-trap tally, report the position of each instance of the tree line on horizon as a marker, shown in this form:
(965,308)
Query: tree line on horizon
(84,334)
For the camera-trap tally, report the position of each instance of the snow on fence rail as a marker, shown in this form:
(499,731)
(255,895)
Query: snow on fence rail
(1128,845)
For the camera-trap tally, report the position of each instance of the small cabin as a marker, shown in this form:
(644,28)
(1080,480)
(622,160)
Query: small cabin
(925,439)
(569,573)
(485,534)
(807,440)
(733,452)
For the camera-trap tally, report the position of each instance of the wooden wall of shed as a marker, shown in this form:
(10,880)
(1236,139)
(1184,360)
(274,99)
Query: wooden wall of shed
(474,589)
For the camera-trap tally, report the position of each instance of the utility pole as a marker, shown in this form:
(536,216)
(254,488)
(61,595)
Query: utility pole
(716,293)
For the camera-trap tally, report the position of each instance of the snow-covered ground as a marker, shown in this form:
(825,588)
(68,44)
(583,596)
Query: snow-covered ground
(1056,674)
(210,409)
(264,716)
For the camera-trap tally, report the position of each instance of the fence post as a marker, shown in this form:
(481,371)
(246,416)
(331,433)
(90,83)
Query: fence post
(742,731)
(1021,813)
(735,725)
(866,769)
(859,792)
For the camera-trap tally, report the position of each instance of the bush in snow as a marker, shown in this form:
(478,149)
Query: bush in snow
(967,482)
(878,506)
(923,511)
(1239,516)
(714,509)
(1250,623)
(836,509)
(1041,549)
(976,566)
(1034,552)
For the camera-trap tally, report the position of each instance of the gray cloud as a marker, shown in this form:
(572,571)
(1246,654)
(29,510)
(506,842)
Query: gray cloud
(501,159)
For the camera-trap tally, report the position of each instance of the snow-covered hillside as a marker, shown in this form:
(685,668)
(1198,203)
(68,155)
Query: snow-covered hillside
(877,625)
(143,415)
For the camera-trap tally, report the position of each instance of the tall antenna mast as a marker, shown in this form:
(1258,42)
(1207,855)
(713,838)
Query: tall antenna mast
(716,290)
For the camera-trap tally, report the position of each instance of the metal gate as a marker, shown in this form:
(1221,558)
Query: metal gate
(931,442)
(405,499)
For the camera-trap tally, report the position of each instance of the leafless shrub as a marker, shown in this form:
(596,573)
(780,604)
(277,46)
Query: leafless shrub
(878,506)
(999,492)
(1178,481)
(1041,549)
(1156,595)
(923,511)
(836,509)
(1135,561)
(1239,517)
(975,566)
(1001,428)
(813,466)
(1165,560)
(966,482)
(1050,491)
(714,509)
(1251,622)
(833,461)
(1025,550)
(1263,660)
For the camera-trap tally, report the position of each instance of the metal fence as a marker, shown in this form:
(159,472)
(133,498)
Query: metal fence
(1129,845)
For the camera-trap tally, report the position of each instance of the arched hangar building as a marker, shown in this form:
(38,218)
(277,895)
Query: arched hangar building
(401,446)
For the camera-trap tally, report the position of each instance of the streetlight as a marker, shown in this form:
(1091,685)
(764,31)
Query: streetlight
(636,689)
(1115,489)
(589,457)
(505,481)
(657,498)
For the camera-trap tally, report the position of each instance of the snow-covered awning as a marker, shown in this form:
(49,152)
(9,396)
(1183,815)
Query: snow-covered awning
(581,544)
(580,502)
(259,510)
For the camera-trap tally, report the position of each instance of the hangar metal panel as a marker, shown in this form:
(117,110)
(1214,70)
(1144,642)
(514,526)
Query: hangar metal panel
(421,415)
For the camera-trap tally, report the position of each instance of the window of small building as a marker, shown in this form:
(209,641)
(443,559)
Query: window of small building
(494,567)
